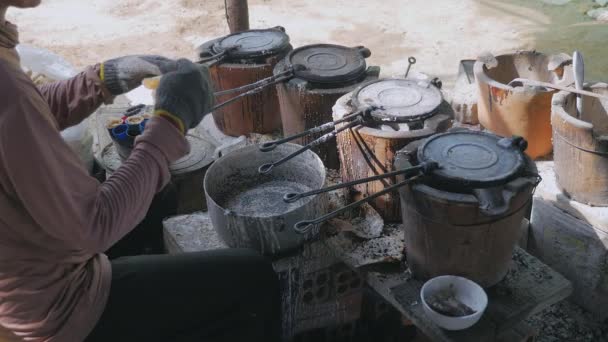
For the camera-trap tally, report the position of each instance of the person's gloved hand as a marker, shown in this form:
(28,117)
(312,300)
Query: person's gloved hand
(123,74)
(185,95)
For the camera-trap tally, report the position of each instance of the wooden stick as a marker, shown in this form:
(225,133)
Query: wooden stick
(237,15)
(558,87)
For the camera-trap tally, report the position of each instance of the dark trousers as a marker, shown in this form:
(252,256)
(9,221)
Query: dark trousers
(223,295)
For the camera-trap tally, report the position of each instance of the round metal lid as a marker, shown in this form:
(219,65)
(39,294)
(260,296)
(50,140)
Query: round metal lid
(399,100)
(201,155)
(473,159)
(253,43)
(325,63)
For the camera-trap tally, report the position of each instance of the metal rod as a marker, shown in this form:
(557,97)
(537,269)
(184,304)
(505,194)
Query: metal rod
(411,61)
(579,78)
(250,92)
(260,83)
(271,145)
(305,226)
(218,56)
(525,81)
(266,168)
(294,196)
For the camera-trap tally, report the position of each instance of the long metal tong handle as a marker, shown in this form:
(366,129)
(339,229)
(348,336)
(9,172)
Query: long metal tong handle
(218,56)
(303,227)
(294,196)
(271,145)
(261,83)
(266,168)
(247,93)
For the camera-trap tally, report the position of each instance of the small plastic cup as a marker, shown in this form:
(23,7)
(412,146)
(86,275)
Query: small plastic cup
(120,132)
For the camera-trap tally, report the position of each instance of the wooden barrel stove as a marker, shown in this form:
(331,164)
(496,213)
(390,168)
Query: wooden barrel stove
(464,217)
(250,57)
(306,100)
(370,149)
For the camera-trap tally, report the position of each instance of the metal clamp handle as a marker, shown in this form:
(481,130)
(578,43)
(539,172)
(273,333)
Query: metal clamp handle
(271,145)
(294,196)
(266,168)
(259,84)
(305,226)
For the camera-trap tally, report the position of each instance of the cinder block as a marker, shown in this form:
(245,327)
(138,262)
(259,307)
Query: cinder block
(317,289)
(571,238)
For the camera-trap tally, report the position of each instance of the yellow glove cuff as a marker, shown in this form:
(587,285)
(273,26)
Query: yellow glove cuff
(101,72)
(173,118)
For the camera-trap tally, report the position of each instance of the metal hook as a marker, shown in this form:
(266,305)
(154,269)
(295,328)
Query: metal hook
(411,61)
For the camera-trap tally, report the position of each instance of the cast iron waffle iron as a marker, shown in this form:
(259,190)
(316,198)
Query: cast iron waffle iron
(247,46)
(398,100)
(490,167)
(328,65)
(386,100)
(472,160)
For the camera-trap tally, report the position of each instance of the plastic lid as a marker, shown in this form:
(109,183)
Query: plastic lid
(253,43)
(474,159)
(325,63)
(399,100)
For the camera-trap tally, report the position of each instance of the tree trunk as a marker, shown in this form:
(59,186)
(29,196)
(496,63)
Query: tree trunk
(237,15)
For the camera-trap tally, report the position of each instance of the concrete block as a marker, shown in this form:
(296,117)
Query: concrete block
(317,289)
(571,238)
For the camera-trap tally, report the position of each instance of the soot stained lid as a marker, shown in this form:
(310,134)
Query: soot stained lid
(399,100)
(253,43)
(474,159)
(326,63)
(201,155)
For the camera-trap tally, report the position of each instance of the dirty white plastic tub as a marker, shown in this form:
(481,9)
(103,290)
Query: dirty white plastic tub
(465,291)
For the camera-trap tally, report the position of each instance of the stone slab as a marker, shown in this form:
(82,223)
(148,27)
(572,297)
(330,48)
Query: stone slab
(572,238)
(548,191)
(529,287)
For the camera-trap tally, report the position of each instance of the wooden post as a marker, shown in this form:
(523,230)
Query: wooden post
(237,15)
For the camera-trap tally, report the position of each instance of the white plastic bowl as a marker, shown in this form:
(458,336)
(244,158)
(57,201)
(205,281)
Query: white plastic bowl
(465,291)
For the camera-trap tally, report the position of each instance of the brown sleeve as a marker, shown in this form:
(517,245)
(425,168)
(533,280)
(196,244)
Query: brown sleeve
(74,99)
(43,175)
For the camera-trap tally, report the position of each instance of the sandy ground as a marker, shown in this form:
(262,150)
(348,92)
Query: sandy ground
(437,32)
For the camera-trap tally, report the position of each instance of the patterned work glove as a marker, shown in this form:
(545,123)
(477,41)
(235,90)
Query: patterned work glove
(184,96)
(123,74)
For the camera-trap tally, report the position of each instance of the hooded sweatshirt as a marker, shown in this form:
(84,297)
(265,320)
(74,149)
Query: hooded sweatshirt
(55,219)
